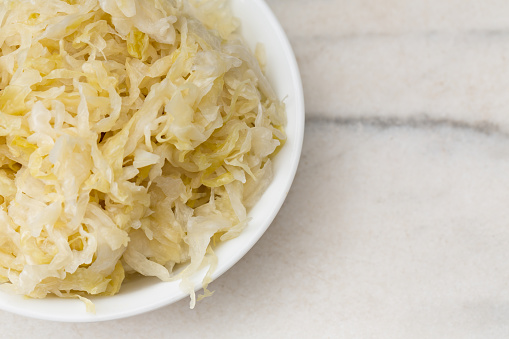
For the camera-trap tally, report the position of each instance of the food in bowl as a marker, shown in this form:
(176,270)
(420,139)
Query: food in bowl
(134,135)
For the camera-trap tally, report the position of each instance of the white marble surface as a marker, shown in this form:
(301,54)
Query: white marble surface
(399,227)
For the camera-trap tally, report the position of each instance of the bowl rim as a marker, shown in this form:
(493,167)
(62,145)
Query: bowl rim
(298,118)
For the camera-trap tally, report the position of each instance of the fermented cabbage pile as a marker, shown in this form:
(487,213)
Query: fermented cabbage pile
(134,135)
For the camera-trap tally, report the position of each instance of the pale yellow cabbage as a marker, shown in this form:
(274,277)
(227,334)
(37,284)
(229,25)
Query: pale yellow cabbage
(133,134)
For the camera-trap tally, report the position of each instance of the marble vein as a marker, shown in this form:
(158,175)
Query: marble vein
(417,122)
(416,34)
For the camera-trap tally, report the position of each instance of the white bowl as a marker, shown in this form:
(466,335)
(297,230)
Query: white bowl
(146,294)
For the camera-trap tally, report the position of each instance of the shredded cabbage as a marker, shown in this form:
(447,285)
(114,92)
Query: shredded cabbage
(133,136)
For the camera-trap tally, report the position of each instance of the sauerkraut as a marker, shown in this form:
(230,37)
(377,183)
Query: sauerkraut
(134,135)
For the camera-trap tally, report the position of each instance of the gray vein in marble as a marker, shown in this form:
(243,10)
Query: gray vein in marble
(489,32)
(441,34)
(417,122)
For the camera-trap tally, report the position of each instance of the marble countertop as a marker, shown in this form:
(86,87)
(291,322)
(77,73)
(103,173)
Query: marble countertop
(399,229)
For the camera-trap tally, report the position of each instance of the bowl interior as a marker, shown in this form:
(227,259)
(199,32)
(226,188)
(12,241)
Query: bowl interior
(146,294)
